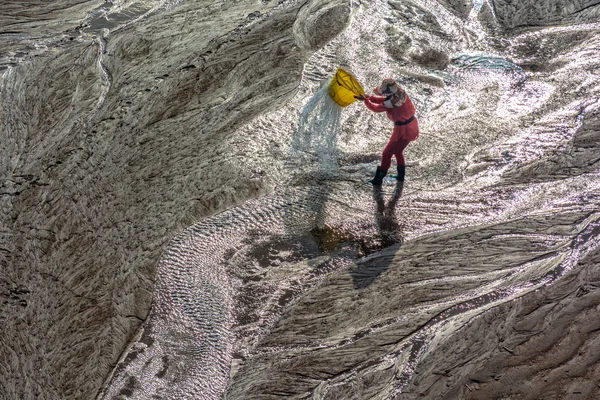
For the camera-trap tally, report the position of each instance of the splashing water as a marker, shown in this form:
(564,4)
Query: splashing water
(318,129)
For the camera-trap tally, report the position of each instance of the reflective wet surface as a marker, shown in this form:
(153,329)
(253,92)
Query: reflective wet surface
(291,277)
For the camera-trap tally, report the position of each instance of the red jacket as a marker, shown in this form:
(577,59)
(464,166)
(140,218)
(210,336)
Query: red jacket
(402,113)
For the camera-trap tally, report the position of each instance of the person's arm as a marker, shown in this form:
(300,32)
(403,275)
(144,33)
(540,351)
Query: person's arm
(376,99)
(373,104)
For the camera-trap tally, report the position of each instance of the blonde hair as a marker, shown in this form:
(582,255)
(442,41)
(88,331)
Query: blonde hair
(399,97)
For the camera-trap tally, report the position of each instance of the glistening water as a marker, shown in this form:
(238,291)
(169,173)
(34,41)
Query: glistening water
(307,282)
(315,141)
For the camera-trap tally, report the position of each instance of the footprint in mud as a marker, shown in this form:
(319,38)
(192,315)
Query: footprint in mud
(403,49)
(413,14)
(398,43)
(430,57)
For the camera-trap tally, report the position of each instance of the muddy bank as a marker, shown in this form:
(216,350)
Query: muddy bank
(112,143)
(117,137)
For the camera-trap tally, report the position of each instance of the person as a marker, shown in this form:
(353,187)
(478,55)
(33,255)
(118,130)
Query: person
(394,101)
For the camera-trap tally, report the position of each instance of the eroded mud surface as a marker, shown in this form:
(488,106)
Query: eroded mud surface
(183,213)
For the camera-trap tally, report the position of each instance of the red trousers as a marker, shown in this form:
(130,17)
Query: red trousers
(393,149)
(401,137)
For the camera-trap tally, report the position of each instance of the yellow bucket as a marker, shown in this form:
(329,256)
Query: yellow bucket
(344,87)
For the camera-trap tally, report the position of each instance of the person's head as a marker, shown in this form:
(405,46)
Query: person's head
(387,88)
(395,95)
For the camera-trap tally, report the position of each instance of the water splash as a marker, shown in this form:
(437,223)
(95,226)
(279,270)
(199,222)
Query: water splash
(316,137)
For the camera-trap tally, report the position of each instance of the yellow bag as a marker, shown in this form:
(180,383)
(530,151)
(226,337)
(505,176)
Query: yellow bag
(344,87)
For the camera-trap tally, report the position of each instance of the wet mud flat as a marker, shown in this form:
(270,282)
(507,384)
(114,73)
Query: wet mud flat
(120,133)
(501,309)
(544,344)
(96,122)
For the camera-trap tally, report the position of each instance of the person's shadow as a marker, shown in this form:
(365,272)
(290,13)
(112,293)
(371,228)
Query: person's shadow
(389,234)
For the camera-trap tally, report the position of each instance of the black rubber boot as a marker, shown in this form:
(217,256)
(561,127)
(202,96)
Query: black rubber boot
(401,172)
(379,175)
